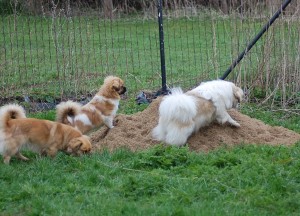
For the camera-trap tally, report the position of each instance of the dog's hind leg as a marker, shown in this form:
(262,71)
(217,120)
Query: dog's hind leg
(12,150)
(6,158)
(177,135)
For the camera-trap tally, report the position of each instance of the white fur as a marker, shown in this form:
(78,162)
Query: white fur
(181,114)
(83,118)
(71,120)
(177,113)
(115,102)
(76,107)
(223,97)
(108,120)
(2,142)
(69,104)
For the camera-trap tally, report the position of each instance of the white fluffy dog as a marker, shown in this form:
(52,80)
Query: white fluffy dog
(224,95)
(181,114)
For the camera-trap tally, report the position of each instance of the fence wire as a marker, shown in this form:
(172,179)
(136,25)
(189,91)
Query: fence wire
(65,53)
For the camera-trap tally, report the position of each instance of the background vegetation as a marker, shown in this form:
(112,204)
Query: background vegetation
(110,7)
(66,53)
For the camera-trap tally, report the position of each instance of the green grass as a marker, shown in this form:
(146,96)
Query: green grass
(288,118)
(244,180)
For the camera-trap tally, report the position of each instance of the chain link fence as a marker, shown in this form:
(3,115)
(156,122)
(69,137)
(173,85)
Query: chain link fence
(61,52)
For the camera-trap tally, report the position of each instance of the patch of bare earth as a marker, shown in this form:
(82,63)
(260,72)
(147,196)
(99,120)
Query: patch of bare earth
(134,132)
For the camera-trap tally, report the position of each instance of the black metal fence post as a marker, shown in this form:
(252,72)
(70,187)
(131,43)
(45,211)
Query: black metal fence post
(257,37)
(162,48)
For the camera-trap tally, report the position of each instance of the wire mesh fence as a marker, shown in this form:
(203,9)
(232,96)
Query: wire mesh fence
(64,52)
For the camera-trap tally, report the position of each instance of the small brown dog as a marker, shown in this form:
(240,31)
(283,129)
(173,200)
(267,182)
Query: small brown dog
(43,136)
(100,110)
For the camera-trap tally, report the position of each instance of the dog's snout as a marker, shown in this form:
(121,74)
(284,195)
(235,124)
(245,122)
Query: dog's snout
(122,90)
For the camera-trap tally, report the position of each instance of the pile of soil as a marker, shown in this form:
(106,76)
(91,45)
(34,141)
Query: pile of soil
(134,132)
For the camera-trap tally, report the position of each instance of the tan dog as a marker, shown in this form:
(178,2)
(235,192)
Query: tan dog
(100,110)
(43,136)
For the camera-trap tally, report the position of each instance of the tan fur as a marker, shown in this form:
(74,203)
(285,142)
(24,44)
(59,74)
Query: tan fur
(71,108)
(45,137)
(100,110)
(204,108)
(238,93)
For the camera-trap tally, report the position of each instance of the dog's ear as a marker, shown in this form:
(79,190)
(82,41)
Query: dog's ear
(80,145)
(86,144)
(74,145)
(116,85)
(238,93)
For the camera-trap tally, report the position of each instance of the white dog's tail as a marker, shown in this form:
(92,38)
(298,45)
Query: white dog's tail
(8,112)
(178,107)
(66,112)
(176,115)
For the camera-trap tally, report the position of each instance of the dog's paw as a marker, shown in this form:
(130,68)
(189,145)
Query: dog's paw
(235,124)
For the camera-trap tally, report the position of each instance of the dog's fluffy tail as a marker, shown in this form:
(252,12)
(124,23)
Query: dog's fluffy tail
(66,112)
(176,116)
(8,112)
(178,107)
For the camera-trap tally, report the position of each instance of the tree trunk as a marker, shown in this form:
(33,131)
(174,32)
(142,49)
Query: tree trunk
(108,8)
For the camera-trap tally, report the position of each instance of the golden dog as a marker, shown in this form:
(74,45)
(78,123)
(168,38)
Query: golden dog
(100,110)
(43,136)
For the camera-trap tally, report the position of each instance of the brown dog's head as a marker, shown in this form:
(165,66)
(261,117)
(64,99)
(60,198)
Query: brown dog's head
(80,145)
(114,86)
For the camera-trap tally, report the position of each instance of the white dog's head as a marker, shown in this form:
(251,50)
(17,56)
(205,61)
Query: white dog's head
(238,94)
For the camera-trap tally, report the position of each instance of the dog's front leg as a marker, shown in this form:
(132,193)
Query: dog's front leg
(51,152)
(108,121)
(225,117)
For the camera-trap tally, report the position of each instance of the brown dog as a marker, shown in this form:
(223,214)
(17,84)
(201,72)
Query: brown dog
(43,136)
(100,110)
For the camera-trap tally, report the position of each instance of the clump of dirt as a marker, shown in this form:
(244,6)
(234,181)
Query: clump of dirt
(134,132)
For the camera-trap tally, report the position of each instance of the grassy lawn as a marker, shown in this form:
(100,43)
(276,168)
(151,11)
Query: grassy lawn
(244,180)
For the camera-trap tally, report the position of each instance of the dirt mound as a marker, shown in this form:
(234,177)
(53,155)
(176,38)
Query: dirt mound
(134,132)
